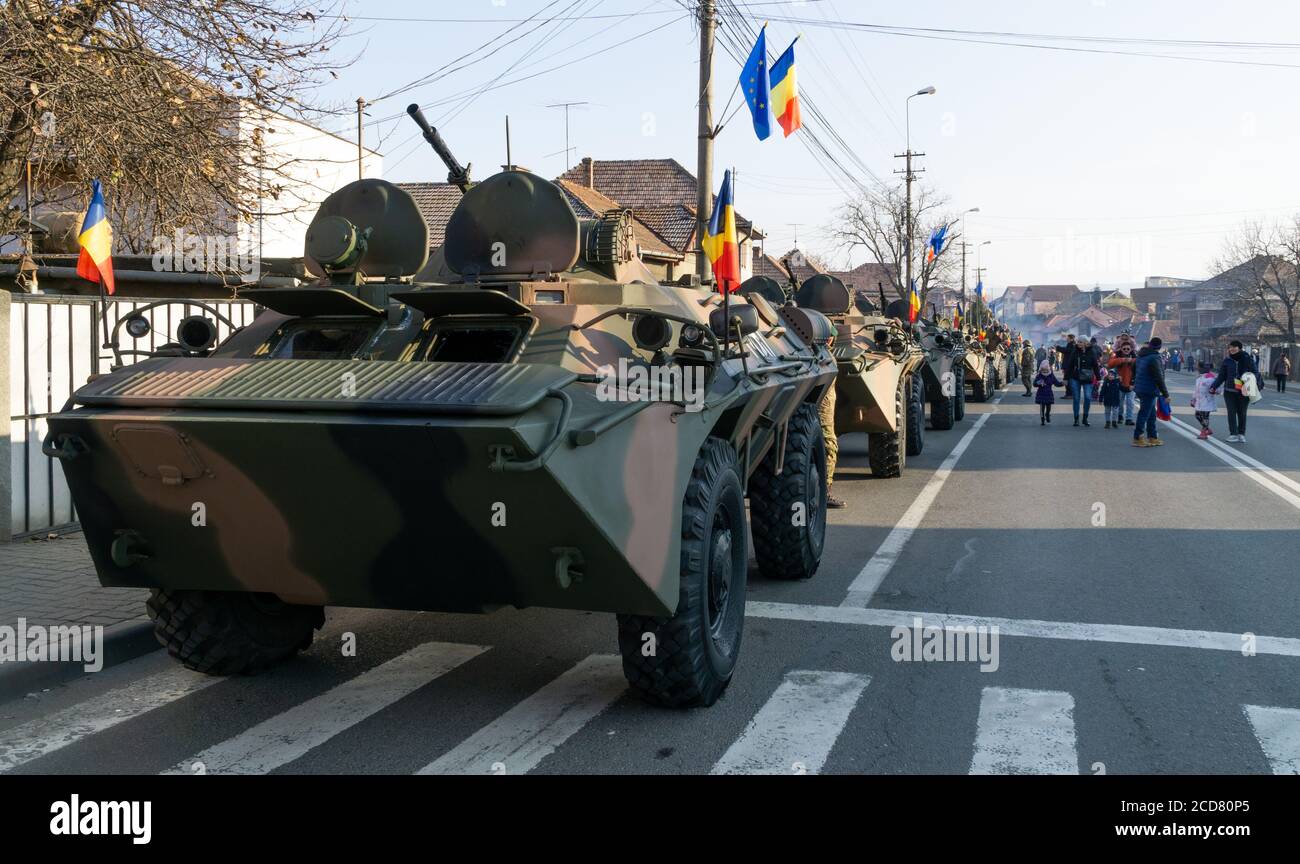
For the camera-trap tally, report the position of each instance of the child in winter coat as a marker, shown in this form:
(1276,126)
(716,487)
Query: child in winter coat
(1112,398)
(1045,381)
(1204,403)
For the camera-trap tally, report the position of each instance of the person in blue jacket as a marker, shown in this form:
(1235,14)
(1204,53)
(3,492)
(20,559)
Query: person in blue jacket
(1149,385)
(1235,365)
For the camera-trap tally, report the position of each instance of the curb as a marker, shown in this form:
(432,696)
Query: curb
(123,641)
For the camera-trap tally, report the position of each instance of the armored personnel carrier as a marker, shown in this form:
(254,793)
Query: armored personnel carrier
(879,389)
(981,368)
(944,372)
(541,425)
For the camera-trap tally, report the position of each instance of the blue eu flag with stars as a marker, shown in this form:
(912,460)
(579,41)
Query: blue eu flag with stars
(753,80)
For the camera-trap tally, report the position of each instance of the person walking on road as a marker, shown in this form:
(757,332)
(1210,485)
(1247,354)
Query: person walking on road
(826,414)
(1080,372)
(1112,399)
(1045,380)
(1204,403)
(1236,366)
(1149,385)
(1281,370)
(1027,364)
(1123,362)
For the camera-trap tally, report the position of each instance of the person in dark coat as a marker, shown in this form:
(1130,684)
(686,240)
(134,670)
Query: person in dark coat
(1045,380)
(1082,368)
(1234,367)
(1148,384)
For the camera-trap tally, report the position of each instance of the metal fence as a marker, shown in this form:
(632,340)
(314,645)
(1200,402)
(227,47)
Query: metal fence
(55,344)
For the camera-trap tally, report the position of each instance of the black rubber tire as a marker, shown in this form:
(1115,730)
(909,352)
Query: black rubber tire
(915,415)
(783,548)
(887,451)
(994,383)
(690,665)
(959,397)
(943,412)
(230,632)
(980,390)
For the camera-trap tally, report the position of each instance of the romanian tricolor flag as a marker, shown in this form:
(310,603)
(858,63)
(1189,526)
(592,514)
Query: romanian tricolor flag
(957,317)
(96,241)
(720,242)
(785,92)
(913,304)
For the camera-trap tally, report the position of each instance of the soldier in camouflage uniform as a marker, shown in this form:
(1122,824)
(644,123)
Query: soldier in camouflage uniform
(826,411)
(1027,364)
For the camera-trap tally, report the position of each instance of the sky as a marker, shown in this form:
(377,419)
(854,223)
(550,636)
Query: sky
(1087,168)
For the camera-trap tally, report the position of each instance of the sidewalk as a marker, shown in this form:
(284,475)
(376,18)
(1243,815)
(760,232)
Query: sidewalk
(54,582)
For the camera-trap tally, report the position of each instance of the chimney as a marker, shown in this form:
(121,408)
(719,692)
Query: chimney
(589,172)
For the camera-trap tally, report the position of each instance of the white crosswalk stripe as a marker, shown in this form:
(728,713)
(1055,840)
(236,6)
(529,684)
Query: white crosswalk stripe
(1025,732)
(304,727)
(33,740)
(794,731)
(517,741)
(1278,733)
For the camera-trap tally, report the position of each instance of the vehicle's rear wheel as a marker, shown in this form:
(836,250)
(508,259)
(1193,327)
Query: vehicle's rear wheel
(980,390)
(788,510)
(687,660)
(231,632)
(887,451)
(915,415)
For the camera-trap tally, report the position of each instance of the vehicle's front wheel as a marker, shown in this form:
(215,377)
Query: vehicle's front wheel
(231,632)
(959,395)
(887,451)
(915,415)
(687,660)
(788,510)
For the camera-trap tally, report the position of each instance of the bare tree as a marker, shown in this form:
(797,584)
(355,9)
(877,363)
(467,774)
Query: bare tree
(1261,268)
(876,223)
(166,101)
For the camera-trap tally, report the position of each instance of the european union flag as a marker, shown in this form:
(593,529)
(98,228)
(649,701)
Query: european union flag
(753,80)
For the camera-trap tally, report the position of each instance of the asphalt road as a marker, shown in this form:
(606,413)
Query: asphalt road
(1123,583)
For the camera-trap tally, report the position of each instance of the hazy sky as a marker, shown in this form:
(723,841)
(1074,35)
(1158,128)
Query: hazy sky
(1086,167)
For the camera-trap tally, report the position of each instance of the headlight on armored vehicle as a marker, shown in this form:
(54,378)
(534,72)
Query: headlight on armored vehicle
(137,326)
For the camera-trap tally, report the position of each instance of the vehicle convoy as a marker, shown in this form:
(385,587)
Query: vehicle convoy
(879,389)
(981,368)
(541,424)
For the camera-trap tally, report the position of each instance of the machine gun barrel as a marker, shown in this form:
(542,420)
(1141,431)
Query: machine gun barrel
(455,173)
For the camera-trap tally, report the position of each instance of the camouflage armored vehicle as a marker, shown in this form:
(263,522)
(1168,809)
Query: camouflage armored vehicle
(879,389)
(944,372)
(544,425)
(981,368)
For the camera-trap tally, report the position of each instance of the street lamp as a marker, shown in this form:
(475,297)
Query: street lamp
(910,176)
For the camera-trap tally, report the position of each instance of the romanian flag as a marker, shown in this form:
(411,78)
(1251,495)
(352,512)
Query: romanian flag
(720,242)
(957,318)
(753,81)
(913,304)
(785,92)
(96,241)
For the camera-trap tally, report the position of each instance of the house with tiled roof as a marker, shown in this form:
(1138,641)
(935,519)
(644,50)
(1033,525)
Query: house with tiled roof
(800,265)
(766,265)
(662,260)
(435,201)
(866,276)
(661,193)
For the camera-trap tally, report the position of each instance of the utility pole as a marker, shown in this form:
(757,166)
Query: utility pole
(704,166)
(910,175)
(567,149)
(361,108)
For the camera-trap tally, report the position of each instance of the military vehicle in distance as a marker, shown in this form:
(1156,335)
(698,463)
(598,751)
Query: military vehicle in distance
(981,368)
(944,372)
(879,390)
(544,425)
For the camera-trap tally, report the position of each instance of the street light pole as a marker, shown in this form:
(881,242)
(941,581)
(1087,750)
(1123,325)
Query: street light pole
(909,176)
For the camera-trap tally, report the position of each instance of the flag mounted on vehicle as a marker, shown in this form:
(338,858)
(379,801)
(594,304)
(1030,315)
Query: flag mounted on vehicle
(720,242)
(754,84)
(913,304)
(785,92)
(96,241)
(957,317)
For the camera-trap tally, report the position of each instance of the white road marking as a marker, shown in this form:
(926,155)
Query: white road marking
(864,585)
(1122,633)
(1264,477)
(1278,733)
(794,731)
(1025,732)
(1243,456)
(33,740)
(285,737)
(522,737)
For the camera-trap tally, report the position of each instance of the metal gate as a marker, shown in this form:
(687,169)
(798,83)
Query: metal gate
(55,344)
